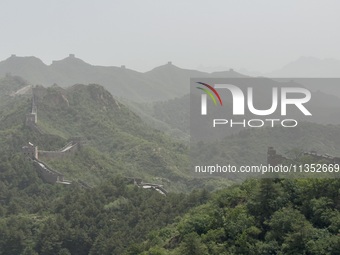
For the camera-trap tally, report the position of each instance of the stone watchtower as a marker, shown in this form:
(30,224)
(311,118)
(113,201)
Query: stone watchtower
(273,158)
(30,151)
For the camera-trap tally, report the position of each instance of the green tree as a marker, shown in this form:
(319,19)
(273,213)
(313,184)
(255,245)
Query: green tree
(192,245)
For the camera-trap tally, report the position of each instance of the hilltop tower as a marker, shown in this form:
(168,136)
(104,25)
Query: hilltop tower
(273,158)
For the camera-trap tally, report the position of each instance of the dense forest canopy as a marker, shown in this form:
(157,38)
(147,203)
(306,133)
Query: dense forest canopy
(115,216)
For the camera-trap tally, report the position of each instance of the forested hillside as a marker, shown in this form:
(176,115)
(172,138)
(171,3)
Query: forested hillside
(38,218)
(114,216)
(249,146)
(41,218)
(258,217)
(116,140)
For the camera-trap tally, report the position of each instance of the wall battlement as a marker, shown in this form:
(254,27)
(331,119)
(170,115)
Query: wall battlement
(275,159)
(69,149)
(32,117)
(139,183)
(48,174)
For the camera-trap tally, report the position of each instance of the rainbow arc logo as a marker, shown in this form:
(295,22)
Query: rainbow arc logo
(209,92)
(213,94)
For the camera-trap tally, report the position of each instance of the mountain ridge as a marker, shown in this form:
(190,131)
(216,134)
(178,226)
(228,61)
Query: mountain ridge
(161,83)
(117,141)
(302,67)
(309,67)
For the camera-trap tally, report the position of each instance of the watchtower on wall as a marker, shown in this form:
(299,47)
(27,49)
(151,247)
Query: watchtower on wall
(273,158)
(30,151)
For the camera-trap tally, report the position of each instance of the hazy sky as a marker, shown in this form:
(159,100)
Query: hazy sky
(258,35)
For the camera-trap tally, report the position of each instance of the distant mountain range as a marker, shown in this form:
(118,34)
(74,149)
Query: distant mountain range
(304,67)
(309,67)
(162,83)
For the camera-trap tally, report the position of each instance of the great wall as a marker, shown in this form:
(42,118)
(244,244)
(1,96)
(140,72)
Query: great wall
(139,182)
(48,174)
(52,176)
(275,159)
(32,117)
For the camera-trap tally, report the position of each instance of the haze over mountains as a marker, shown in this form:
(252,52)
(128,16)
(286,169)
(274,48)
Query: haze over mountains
(303,67)
(309,67)
(161,83)
(117,217)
